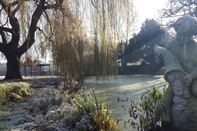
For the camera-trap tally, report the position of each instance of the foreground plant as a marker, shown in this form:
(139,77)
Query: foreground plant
(100,114)
(51,101)
(146,115)
(153,108)
(13,91)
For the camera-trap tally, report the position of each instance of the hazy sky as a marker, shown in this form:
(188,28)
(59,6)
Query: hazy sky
(148,8)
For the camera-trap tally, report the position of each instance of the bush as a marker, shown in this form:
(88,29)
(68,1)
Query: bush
(146,115)
(153,108)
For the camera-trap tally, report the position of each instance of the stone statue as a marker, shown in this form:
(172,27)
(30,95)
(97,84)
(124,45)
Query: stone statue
(180,58)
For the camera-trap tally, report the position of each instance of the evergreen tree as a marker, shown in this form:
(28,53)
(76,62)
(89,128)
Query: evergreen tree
(141,45)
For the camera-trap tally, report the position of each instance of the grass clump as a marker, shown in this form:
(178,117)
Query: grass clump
(50,101)
(13,91)
(87,104)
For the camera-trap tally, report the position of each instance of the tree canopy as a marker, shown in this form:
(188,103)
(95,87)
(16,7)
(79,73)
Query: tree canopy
(88,46)
(141,45)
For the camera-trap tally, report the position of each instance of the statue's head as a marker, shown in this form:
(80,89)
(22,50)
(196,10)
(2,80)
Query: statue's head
(186,27)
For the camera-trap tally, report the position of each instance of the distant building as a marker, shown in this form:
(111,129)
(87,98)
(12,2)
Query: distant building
(40,68)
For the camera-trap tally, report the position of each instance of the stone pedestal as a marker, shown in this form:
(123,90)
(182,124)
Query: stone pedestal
(184,105)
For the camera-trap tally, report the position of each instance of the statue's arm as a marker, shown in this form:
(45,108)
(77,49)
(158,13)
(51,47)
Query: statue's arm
(193,74)
(169,45)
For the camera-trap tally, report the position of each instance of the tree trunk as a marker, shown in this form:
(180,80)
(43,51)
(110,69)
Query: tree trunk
(13,68)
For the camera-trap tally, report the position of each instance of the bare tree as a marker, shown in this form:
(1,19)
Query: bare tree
(177,8)
(18,25)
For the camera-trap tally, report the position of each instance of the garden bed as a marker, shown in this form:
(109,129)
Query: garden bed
(48,108)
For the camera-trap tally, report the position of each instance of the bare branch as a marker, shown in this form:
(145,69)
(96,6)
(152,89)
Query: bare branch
(13,20)
(30,37)
(2,47)
(6,29)
(14,3)
(42,31)
(54,6)
(3,37)
(47,17)
(177,8)
(15,10)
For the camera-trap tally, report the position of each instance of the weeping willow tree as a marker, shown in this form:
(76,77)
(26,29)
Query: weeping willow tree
(68,46)
(111,22)
(86,38)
